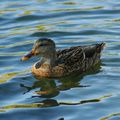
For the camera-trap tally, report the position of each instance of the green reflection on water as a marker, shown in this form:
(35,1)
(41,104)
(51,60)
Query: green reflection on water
(52,103)
(110,116)
(8,76)
(69,3)
(117,20)
(41,28)
(5,77)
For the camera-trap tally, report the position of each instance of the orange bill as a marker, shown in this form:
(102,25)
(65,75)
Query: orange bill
(28,56)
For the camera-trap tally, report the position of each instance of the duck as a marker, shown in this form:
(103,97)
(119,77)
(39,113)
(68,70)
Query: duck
(55,63)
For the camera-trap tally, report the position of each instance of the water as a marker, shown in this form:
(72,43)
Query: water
(92,96)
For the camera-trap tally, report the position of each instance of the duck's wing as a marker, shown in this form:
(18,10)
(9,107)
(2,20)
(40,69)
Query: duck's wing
(79,57)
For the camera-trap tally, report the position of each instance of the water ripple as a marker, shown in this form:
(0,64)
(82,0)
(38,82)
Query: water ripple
(68,23)
(68,13)
(59,33)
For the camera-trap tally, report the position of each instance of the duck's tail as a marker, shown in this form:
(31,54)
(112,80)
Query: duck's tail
(100,47)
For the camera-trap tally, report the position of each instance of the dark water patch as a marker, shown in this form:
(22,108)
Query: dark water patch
(35,17)
(111,64)
(95,17)
(64,14)
(109,11)
(8,62)
(91,12)
(6,57)
(28,17)
(59,33)
(2,19)
(12,91)
(10,27)
(112,59)
(5,22)
(19,48)
(116,47)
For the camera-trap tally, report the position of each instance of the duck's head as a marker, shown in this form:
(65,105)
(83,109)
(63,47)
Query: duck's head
(43,47)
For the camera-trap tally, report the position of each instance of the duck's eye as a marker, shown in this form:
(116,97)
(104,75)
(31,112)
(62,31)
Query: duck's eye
(42,45)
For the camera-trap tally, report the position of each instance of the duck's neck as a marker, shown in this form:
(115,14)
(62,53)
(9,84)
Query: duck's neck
(49,60)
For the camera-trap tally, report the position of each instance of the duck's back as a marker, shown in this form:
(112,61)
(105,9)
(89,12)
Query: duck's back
(79,58)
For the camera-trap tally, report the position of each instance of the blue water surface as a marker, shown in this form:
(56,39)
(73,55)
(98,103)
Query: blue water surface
(94,95)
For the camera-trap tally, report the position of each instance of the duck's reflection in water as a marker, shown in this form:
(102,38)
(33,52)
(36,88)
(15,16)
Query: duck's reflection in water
(51,87)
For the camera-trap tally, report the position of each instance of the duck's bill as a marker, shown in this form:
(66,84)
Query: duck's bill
(28,56)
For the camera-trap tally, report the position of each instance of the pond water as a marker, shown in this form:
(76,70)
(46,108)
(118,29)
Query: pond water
(92,96)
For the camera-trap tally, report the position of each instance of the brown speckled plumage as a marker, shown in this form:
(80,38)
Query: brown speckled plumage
(79,58)
(70,60)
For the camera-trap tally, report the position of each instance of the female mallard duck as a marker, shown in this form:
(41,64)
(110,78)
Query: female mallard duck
(63,62)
